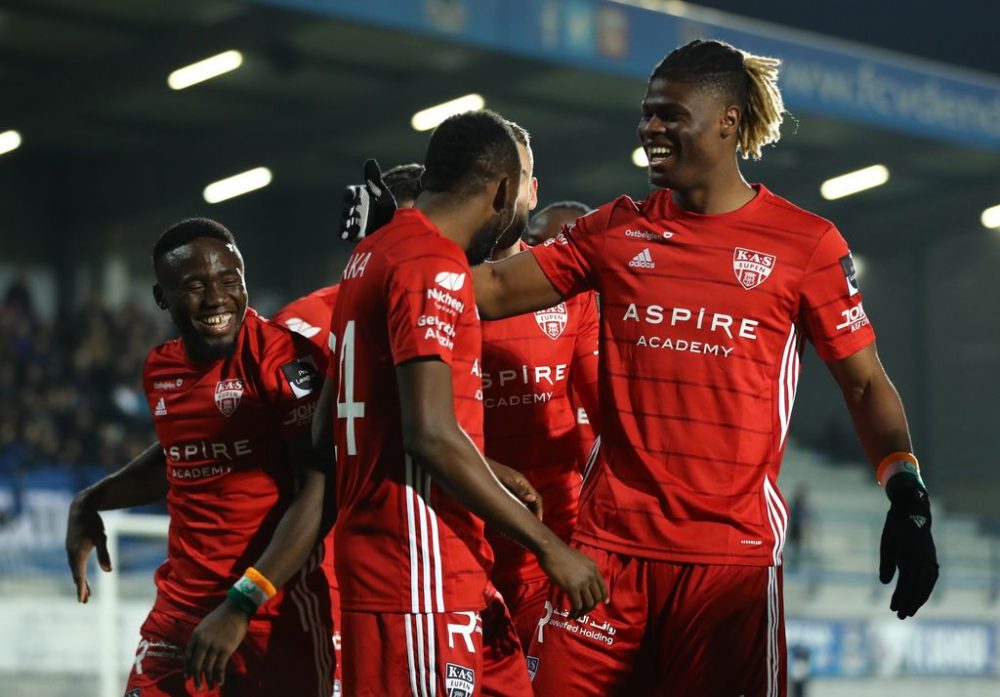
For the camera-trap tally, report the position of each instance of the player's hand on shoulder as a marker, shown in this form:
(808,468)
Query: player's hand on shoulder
(368,206)
(212,642)
(84,532)
(517,484)
(577,575)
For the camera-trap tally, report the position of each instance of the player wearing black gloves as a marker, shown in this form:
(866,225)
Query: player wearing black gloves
(369,206)
(907,543)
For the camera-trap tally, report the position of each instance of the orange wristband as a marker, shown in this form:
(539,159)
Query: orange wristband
(261,581)
(894,463)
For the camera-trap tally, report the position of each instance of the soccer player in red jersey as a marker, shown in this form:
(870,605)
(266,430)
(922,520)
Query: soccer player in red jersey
(310,317)
(529,364)
(543,226)
(405,403)
(549,221)
(241,605)
(708,289)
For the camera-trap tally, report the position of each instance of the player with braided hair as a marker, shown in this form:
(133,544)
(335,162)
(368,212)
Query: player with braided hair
(708,289)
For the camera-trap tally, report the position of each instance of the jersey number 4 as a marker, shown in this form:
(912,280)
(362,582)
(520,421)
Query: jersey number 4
(348,408)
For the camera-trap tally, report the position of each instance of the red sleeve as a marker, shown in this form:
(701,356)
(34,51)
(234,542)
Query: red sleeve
(585,358)
(296,371)
(570,258)
(830,310)
(425,302)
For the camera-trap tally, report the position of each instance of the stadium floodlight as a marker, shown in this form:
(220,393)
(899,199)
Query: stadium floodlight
(205,70)
(991,217)
(854,182)
(237,185)
(9,140)
(426,119)
(639,158)
(860,263)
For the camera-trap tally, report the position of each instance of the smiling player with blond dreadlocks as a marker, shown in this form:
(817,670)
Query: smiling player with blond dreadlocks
(708,289)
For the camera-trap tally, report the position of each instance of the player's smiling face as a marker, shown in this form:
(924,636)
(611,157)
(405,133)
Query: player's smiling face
(201,283)
(681,132)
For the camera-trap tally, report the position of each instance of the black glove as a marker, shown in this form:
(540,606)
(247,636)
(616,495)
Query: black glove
(907,544)
(368,206)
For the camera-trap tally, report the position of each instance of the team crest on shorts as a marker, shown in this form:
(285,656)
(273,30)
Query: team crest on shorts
(459,681)
(553,320)
(227,396)
(752,268)
(532,666)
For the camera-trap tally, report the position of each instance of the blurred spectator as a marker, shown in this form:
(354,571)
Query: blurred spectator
(799,671)
(799,528)
(71,391)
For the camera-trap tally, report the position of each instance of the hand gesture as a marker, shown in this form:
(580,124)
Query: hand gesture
(368,206)
(212,642)
(907,545)
(577,575)
(84,531)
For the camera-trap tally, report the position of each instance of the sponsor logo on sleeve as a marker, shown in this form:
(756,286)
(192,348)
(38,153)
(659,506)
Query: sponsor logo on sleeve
(850,274)
(450,281)
(299,325)
(227,396)
(752,268)
(552,321)
(853,317)
(302,376)
(459,680)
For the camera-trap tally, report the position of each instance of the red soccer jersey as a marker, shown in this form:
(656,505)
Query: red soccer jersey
(403,544)
(310,315)
(529,364)
(223,426)
(702,319)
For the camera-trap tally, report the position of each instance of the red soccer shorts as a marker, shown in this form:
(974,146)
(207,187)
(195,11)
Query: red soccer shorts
(293,657)
(526,602)
(331,579)
(670,629)
(459,654)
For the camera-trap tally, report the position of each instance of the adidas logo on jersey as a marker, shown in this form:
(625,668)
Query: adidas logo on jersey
(161,408)
(643,260)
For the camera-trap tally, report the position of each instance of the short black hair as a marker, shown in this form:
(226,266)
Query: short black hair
(403,181)
(707,63)
(467,151)
(179,234)
(581,208)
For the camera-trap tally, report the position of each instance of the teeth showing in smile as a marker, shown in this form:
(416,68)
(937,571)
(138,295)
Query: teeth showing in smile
(659,151)
(216,320)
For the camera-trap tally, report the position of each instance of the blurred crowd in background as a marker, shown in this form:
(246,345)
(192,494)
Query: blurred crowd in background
(71,389)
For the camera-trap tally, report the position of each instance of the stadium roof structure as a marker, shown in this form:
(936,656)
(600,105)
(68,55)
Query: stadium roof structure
(109,150)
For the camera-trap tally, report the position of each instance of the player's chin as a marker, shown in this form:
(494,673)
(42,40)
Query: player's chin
(216,346)
(663,179)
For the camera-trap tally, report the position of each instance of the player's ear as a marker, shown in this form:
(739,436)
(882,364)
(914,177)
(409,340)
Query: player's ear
(729,126)
(500,202)
(534,194)
(161,301)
